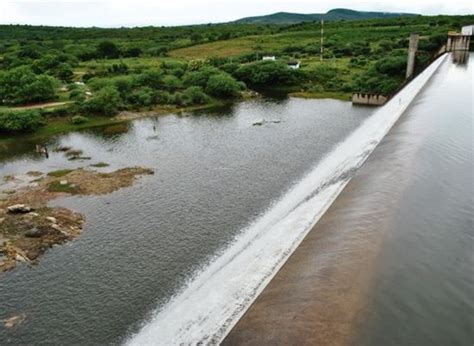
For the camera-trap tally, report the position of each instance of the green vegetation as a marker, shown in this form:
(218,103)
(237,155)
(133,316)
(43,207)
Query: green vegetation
(97,73)
(100,165)
(332,15)
(20,121)
(59,173)
(79,119)
(56,186)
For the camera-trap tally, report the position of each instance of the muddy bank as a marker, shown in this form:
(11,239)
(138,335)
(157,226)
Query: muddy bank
(28,227)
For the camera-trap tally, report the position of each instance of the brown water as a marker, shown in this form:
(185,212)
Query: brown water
(423,283)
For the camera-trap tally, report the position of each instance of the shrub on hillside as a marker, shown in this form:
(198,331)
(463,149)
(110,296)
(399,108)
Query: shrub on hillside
(223,85)
(79,119)
(20,121)
(21,85)
(106,101)
(196,95)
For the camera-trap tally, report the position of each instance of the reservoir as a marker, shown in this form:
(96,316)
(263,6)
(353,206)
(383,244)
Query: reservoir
(215,174)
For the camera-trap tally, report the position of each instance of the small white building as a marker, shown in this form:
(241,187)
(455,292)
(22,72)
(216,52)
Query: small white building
(467,30)
(294,64)
(269,58)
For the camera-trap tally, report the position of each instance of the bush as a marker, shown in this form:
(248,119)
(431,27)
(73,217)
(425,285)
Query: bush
(392,66)
(20,121)
(223,85)
(171,82)
(107,50)
(268,73)
(106,101)
(143,97)
(21,85)
(78,119)
(196,95)
(200,77)
(64,72)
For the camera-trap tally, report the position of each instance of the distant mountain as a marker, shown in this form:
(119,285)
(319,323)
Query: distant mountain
(335,14)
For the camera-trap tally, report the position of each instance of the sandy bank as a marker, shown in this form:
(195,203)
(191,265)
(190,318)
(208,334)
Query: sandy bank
(28,227)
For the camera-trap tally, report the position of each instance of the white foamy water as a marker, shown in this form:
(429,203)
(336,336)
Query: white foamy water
(214,300)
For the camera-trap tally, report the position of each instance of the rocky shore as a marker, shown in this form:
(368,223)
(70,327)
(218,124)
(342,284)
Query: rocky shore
(28,227)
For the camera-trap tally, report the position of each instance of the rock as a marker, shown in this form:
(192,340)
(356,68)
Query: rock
(14,320)
(63,182)
(33,214)
(34,173)
(258,123)
(59,229)
(52,219)
(1,220)
(19,209)
(34,233)
(9,192)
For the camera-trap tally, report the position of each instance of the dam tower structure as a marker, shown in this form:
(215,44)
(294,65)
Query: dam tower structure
(412,48)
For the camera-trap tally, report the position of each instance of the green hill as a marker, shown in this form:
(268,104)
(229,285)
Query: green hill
(332,15)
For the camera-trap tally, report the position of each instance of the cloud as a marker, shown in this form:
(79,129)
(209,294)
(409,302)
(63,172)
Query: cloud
(108,13)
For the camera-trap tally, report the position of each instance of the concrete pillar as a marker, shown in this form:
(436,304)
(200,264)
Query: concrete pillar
(449,47)
(412,48)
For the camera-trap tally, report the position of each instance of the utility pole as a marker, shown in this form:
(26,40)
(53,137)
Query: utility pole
(322,37)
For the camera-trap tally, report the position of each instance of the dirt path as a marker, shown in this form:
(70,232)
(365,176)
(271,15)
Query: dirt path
(42,105)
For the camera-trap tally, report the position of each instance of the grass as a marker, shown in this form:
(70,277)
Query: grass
(59,173)
(100,165)
(338,95)
(56,186)
(227,48)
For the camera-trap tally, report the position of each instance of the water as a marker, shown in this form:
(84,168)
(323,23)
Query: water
(222,184)
(390,262)
(215,174)
(422,291)
(206,310)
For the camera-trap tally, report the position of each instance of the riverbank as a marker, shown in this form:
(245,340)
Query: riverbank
(336,95)
(60,125)
(28,226)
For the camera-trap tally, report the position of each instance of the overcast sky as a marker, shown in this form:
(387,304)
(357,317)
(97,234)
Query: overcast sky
(112,13)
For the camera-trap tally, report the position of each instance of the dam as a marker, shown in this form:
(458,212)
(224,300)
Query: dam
(238,277)
(189,257)
(390,262)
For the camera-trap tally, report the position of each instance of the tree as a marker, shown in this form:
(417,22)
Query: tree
(223,85)
(392,66)
(200,77)
(196,95)
(21,85)
(64,72)
(268,73)
(106,101)
(107,50)
(144,96)
(20,121)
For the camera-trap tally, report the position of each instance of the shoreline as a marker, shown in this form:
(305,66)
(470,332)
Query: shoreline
(61,125)
(29,227)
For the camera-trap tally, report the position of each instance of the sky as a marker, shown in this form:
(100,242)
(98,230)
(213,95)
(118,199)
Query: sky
(116,13)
